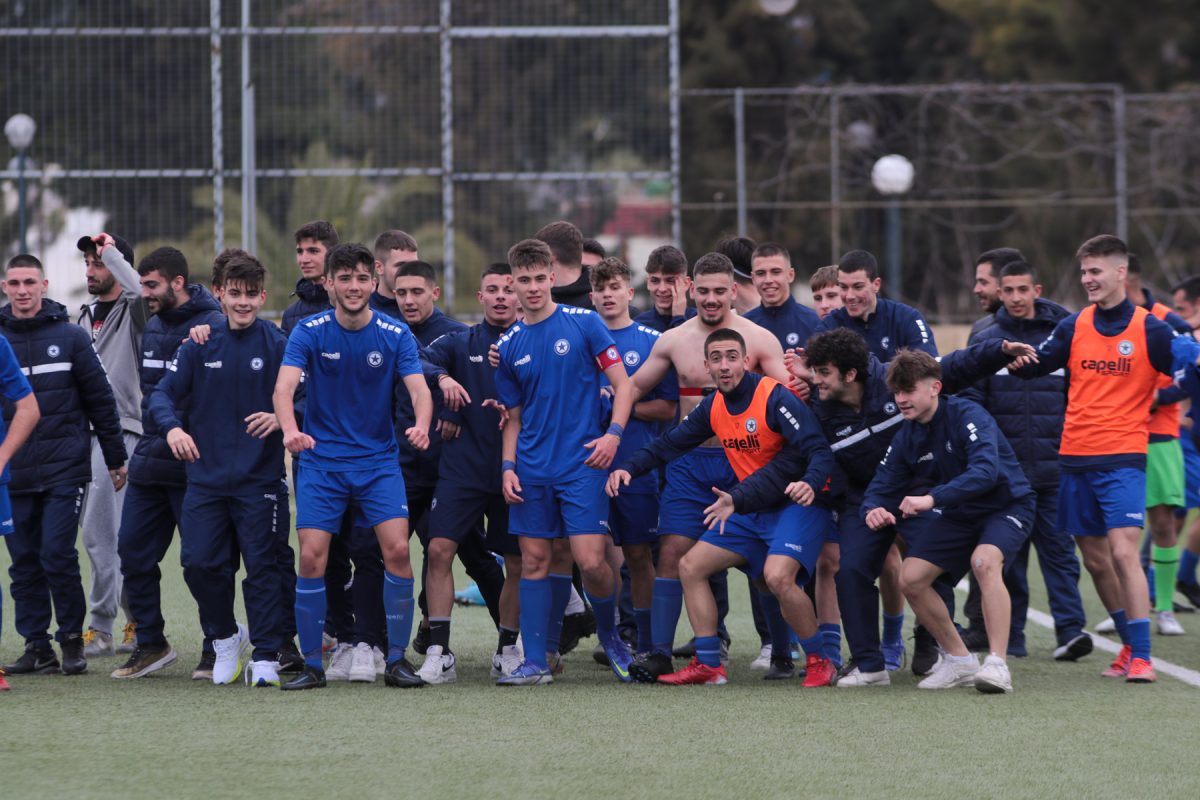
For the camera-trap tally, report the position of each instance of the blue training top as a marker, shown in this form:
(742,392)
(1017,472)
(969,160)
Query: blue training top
(790,322)
(892,326)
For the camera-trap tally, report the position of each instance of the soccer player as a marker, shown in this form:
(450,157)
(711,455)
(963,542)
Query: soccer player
(987,284)
(949,462)
(572,286)
(1186,297)
(668,285)
(769,437)
(1115,352)
(593,253)
(739,250)
(313,241)
(691,477)
(468,485)
(826,294)
(352,359)
(157,481)
(633,516)
(1030,415)
(114,319)
(234,454)
(392,250)
(49,472)
(549,381)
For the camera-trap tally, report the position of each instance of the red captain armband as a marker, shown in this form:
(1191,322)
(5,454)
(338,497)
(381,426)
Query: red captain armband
(695,391)
(609,358)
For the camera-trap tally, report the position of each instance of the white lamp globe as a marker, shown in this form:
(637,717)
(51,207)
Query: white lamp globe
(892,174)
(778,7)
(20,129)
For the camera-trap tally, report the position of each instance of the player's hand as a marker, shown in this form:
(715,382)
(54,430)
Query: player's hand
(417,437)
(102,240)
(616,479)
(200,333)
(261,424)
(510,486)
(720,511)
(911,506)
(182,445)
(297,442)
(800,492)
(801,389)
(880,518)
(603,451)
(607,392)
(453,393)
(494,356)
(1021,354)
(501,409)
(678,298)
(449,430)
(795,362)
(119,476)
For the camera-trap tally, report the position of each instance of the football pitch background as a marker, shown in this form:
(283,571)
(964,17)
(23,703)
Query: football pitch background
(1065,732)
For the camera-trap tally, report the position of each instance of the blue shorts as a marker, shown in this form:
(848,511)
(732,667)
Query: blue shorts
(797,532)
(633,518)
(688,490)
(1191,473)
(6,515)
(1093,503)
(322,498)
(457,510)
(575,507)
(949,543)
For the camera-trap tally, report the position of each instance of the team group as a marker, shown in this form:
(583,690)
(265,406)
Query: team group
(593,469)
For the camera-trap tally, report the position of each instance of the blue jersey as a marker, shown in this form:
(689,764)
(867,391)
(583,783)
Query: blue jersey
(13,386)
(551,370)
(790,322)
(351,382)
(892,326)
(634,343)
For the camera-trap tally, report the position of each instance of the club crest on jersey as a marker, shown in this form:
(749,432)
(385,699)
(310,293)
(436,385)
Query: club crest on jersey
(793,338)
(751,425)
(562,347)
(256,364)
(632,358)
(889,408)
(53,351)
(374,358)
(885,342)
(1125,347)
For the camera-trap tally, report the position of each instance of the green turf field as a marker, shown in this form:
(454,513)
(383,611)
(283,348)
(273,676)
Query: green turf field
(1064,733)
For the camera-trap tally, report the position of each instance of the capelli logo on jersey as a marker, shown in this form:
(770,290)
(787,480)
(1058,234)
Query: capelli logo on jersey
(332,356)
(1120,367)
(926,457)
(749,443)
(523,360)
(475,359)
(562,347)
(846,431)
(213,364)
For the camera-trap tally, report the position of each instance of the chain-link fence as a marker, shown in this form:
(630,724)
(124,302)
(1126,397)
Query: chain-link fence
(468,123)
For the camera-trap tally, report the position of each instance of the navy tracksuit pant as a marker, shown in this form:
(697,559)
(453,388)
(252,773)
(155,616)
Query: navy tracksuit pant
(148,521)
(45,564)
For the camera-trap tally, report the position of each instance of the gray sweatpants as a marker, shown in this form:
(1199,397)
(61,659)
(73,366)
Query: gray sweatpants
(101,519)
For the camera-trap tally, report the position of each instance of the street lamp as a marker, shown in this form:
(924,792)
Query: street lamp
(20,129)
(892,176)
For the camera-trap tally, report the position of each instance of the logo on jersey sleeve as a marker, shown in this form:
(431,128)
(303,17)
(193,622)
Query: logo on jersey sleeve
(562,347)
(53,351)
(632,358)
(793,339)
(256,364)
(374,358)
(885,342)
(1125,347)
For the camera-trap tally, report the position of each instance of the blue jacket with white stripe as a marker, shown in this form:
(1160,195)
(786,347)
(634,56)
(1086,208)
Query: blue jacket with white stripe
(892,326)
(153,464)
(72,391)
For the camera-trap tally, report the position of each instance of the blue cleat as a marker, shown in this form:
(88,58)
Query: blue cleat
(893,655)
(619,658)
(526,675)
(470,596)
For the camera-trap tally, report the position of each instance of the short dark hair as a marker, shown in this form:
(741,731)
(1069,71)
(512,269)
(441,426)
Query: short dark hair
(1100,246)
(417,269)
(842,348)
(910,367)
(1135,264)
(998,257)
(166,260)
(595,248)
(565,242)
(529,253)
(668,260)
(825,276)
(221,262)
(245,269)
(724,335)
(740,251)
(713,264)
(610,269)
(1014,268)
(320,230)
(768,249)
(391,240)
(859,261)
(348,256)
(1190,288)
(26,260)
(496,268)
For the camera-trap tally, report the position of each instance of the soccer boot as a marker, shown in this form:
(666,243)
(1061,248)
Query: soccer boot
(144,660)
(648,667)
(1077,648)
(1189,590)
(1140,671)
(401,674)
(1119,668)
(576,627)
(619,657)
(696,673)
(818,671)
(4,687)
(781,669)
(309,678)
(925,651)
(975,639)
(526,674)
(420,642)
(290,659)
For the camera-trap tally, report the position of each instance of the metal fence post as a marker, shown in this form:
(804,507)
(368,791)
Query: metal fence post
(447,79)
(1121,178)
(673,93)
(739,150)
(249,188)
(218,148)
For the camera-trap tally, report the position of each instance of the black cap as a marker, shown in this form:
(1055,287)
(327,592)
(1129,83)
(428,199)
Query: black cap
(86,245)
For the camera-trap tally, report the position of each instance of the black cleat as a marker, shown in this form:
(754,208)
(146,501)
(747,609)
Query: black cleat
(685,650)
(1075,649)
(1189,590)
(420,642)
(309,678)
(599,655)
(402,675)
(38,659)
(73,661)
(925,651)
(204,669)
(781,670)
(975,639)
(576,627)
(290,659)
(646,667)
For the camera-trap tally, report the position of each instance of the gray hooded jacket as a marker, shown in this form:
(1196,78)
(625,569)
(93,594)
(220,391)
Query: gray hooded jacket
(120,340)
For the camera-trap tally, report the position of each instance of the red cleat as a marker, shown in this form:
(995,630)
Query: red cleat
(4,687)
(1120,665)
(818,672)
(696,673)
(1140,671)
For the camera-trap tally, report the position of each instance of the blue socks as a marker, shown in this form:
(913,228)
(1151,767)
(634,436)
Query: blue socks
(641,618)
(665,606)
(1139,637)
(535,615)
(560,595)
(1121,624)
(831,637)
(1187,567)
(708,650)
(813,645)
(893,627)
(605,609)
(398,609)
(310,618)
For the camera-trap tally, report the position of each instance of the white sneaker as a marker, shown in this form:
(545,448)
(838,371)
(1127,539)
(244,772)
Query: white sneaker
(856,677)
(507,660)
(438,666)
(1106,625)
(380,660)
(327,642)
(764,658)
(949,674)
(339,662)
(262,673)
(993,677)
(1167,624)
(230,654)
(362,664)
